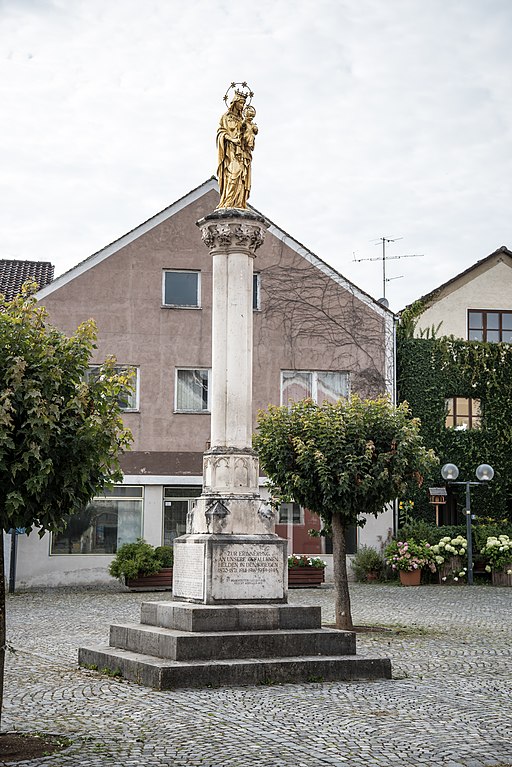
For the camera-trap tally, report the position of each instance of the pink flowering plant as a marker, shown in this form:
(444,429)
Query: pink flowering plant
(302,560)
(410,555)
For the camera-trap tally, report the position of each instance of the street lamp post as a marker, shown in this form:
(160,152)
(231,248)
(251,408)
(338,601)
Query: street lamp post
(484,474)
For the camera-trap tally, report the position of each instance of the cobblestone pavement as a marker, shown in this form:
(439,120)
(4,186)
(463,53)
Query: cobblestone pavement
(448,704)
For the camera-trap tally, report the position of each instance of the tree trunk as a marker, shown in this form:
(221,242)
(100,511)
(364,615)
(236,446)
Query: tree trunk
(2,622)
(339,556)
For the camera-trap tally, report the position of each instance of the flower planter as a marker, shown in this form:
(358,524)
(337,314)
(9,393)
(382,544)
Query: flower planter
(501,577)
(449,568)
(372,575)
(305,576)
(410,577)
(160,581)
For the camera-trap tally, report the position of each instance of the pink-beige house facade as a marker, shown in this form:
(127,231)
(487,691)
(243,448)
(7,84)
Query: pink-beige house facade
(315,334)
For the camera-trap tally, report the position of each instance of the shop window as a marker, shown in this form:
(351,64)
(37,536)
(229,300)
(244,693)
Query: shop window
(108,521)
(178,501)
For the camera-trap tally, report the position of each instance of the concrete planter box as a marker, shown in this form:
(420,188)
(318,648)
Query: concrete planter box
(160,581)
(305,576)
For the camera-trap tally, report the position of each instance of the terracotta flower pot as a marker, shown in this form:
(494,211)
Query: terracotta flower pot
(410,577)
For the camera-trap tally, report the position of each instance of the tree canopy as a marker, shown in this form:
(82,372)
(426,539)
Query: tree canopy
(60,436)
(342,461)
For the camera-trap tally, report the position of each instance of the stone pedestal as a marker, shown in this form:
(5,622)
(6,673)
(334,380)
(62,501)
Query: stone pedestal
(230,553)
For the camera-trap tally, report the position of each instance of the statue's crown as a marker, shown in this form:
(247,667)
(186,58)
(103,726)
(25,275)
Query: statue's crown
(243,92)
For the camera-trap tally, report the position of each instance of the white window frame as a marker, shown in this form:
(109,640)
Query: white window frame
(197,272)
(209,392)
(290,521)
(257,281)
(314,381)
(136,390)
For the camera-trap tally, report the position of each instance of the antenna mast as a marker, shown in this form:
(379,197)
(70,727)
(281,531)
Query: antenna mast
(383,258)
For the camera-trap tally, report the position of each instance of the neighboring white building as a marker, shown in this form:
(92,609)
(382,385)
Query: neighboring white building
(476,304)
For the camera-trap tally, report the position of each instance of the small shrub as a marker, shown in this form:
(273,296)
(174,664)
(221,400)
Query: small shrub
(133,559)
(166,555)
(367,560)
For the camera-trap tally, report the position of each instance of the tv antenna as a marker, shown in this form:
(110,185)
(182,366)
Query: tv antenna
(385,258)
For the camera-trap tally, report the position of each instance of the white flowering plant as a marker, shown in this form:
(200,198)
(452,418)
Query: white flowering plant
(450,547)
(302,560)
(498,552)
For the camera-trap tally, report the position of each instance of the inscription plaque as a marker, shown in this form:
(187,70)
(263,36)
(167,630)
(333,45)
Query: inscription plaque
(188,571)
(247,571)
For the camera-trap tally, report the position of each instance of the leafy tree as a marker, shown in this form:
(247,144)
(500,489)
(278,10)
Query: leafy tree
(60,437)
(341,460)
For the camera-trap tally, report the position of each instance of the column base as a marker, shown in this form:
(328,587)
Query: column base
(228,569)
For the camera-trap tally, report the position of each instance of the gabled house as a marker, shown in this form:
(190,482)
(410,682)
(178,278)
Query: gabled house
(475,305)
(315,334)
(14,274)
(454,353)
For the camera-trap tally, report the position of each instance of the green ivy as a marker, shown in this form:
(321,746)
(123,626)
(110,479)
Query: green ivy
(431,370)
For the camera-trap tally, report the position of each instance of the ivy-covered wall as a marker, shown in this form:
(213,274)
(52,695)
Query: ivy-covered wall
(430,370)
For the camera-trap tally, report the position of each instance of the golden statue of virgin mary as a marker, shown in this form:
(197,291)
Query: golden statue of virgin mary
(235,143)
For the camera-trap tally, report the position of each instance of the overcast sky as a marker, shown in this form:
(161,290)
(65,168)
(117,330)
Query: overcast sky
(377,118)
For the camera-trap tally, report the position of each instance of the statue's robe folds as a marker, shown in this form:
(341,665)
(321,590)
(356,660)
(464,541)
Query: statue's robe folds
(230,171)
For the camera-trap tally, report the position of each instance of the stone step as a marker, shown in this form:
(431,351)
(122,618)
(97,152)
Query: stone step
(187,616)
(183,646)
(162,674)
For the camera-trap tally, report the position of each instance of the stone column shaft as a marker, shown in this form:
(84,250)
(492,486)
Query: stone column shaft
(231,397)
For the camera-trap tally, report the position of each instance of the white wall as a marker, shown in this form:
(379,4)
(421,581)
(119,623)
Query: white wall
(491,289)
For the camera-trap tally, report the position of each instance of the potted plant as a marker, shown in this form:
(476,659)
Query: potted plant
(449,555)
(408,558)
(143,567)
(367,564)
(498,552)
(305,571)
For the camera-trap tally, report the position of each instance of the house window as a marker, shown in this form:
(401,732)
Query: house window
(107,522)
(463,413)
(182,289)
(128,399)
(489,325)
(192,391)
(320,386)
(290,514)
(178,501)
(256,294)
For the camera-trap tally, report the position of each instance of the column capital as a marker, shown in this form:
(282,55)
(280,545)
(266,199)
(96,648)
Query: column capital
(232,230)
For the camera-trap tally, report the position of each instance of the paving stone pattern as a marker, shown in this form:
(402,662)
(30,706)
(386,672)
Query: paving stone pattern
(448,704)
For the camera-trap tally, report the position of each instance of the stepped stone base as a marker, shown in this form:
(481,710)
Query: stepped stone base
(186,645)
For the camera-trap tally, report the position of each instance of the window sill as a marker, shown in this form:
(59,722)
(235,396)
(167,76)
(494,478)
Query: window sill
(191,412)
(177,306)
